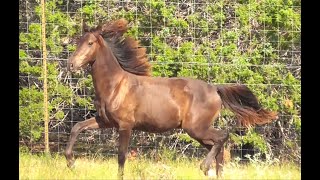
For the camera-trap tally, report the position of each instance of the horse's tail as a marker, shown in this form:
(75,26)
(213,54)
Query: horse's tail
(244,104)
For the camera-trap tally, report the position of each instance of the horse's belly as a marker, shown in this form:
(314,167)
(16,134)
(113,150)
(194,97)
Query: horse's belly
(158,116)
(156,127)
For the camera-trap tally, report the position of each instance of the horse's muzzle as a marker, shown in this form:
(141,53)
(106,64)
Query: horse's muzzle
(70,67)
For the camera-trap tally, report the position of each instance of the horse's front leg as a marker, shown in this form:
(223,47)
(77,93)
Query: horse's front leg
(92,123)
(124,138)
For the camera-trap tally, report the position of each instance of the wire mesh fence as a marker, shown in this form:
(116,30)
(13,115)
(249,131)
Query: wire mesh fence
(256,43)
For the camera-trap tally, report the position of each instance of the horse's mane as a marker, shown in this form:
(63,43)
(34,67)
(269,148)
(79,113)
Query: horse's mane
(128,52)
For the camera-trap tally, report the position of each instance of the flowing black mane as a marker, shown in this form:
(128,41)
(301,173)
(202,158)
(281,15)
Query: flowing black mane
(130,55)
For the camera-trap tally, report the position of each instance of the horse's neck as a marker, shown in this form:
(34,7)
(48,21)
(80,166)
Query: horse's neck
(106,72)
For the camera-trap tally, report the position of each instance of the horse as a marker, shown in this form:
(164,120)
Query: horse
(128,98)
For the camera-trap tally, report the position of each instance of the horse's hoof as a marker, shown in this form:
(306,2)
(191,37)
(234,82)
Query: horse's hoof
(120,177)
(206,169)
(203,168)
(203,165)
(70,164)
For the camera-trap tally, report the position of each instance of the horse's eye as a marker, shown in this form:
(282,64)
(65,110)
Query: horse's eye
(90,43)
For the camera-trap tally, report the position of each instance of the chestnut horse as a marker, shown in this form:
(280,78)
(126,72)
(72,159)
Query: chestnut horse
(128,98)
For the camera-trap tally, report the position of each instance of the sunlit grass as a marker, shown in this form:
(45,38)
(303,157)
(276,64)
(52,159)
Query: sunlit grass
(54,167)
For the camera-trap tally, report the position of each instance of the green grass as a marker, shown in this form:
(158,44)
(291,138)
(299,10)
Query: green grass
(54,167)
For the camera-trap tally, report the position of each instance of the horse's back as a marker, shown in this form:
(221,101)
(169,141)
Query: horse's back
(198,88)
(179,88)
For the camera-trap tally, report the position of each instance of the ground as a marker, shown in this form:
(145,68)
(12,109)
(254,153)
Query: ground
(54,167)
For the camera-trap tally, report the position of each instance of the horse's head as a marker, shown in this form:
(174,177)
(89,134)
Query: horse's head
(87,47)
(91,40)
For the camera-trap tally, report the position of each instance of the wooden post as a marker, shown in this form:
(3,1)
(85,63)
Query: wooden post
(45,90)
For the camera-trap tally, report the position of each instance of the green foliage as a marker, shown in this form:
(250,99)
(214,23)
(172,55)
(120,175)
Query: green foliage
(185,137)
(251,138)
(59,26)
(30,113)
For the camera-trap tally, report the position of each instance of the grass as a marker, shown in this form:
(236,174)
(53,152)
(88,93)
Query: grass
(54,167)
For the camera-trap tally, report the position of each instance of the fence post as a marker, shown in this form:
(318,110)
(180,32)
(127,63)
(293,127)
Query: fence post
(45,90)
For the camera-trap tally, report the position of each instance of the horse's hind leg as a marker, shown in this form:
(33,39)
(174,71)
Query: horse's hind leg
(215,147)
(216,152)
(92,123)
(211,138)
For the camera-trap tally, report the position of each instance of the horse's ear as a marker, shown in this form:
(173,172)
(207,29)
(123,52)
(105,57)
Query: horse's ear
(85,27)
